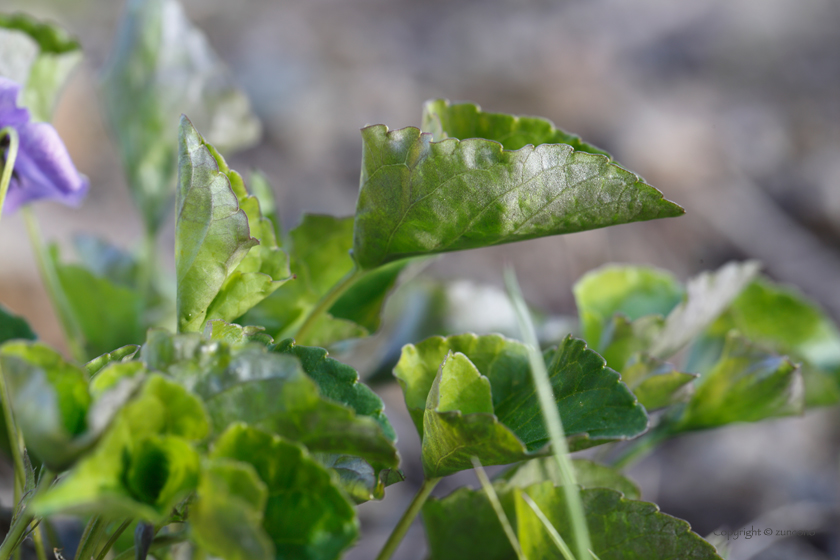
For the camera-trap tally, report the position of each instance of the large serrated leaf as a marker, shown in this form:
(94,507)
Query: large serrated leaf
(419,197)
(57,55)
(463,526)
(211,233)
(145,463)
(267,390)
(306,516)
(474,395)
(162,67)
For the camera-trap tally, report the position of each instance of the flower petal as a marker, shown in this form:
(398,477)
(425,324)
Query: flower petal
(10,113)
(43,169)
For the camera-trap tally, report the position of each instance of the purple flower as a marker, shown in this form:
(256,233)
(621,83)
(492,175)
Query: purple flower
(43,168)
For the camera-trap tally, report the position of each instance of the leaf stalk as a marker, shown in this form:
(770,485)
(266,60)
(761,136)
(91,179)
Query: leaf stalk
(405,521)
(326,302)
(9,164)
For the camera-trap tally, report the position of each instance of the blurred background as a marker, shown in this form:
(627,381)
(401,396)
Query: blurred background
(731,108)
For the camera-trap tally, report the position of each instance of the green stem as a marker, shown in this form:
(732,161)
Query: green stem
(162,541)
(405,521)
(9,164)
(14,438)
(147,264)
(548,404)
(38,539)
(113,538)
(326,302)
(46,267)
(21,523)
(90,538)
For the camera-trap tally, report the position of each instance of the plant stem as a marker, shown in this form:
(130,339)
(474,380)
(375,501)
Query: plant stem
(90,538)
(160,542)
(38,539)
(113,538)
(552,419)
(14,437)
(405,521)
(147,264)
(22,521)
(326,302)
(9,164)
(46,267)
(497,507)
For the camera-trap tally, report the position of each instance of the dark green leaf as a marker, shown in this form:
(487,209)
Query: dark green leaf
(588,474)
(420,197)
(307,516)
(620,529)
(463,526)
(451,379)
(268,390)
(13,326)
(466,120)
(211,233)
(144,464)
(162,67)
(746,385)
(57,55)
(631,291)
(227,518)
(656,383)
(109,315)
(783,319)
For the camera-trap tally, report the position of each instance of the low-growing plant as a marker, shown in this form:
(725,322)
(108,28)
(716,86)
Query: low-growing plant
(210,420)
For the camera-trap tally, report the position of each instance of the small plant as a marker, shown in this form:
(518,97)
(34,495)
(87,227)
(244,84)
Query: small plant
(209,420)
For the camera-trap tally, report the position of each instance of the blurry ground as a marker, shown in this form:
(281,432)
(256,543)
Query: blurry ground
(730,107)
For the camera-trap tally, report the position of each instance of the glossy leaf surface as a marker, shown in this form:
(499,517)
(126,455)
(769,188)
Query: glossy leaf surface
(212,235)
(420,197)
(162,67)
(267,390)
(478,398)
(306,515)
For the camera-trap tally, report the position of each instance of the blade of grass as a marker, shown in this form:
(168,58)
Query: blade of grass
(487,486)
(552,532)
(559,448)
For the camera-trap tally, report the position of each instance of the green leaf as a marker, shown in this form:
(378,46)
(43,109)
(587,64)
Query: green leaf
(357,477)
(145,463)
(13,326)
(211,233)
(473,396)
(463,526)
(746,385)
(631,291)
(162,67)
(588,474)
(265,195)
(110,315)
(54,410)
(656,383)
(226,520)
(267,390)
(420,197)
(339,382)
(236,335)
(781,318)
(307,516)
(466,120)
(319,249)
(106,260)
(57,55)
(622,339)
(117,356)
(707,296)
(621,529)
